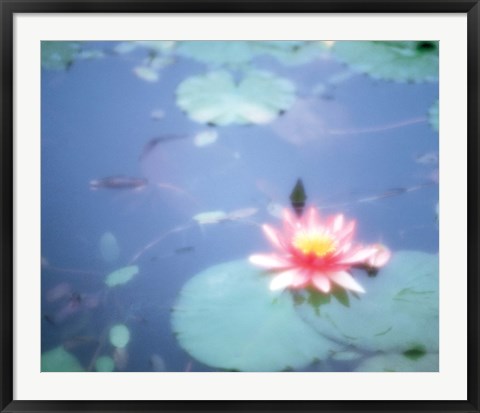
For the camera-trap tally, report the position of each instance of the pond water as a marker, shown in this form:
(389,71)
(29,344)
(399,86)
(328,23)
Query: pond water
(179,179)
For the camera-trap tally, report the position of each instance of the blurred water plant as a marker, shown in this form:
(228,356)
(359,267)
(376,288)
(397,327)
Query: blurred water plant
(60,360)
(401,61)
(104,364)
(215,98)
(59,55)
(119,335)
(109,248)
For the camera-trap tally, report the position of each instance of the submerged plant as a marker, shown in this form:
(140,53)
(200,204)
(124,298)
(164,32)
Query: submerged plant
(317,254)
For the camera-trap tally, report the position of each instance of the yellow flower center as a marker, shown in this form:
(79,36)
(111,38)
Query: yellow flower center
(314,243)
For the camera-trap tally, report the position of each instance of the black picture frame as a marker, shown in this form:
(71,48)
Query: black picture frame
(9,8)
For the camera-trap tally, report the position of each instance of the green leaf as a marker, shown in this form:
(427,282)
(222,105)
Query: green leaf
(60,360)
(397,314)
(217,99)
(401,61)
(121,276)
(226,317)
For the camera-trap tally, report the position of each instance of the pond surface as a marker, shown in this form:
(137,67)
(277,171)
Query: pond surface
(162,162)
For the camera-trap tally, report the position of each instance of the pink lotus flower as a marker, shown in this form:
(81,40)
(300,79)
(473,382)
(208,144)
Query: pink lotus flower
(316,253)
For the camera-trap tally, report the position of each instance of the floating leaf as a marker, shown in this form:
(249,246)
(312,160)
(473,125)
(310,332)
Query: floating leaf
(212,217)
(226,317)
(215,98)
(109,248)
(205,138)
(121,276)
(218,52)
(59,55)
(146,73)
(119,335)
(398,362)
(402,61)
(433,116)
(156,46)
(398,312)
(60,360)
(104,364)
(293,52)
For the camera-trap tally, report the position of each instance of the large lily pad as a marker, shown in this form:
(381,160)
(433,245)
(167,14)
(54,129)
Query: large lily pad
(398,312)
(60,360)
(216,98)
(391,60)
(226,317)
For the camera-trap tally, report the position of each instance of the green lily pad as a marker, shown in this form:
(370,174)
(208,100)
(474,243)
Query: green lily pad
(119,335)
(398,362)
(215,98)
(59,55)
(121,276)
(433,116)
(293,52)
(60,360)
(398,312)
(217,52)
(226,317)
(104,364)
(400,61)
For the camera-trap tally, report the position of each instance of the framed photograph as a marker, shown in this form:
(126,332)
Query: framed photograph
(240,206)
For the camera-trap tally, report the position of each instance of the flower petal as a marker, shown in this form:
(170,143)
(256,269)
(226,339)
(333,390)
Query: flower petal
(301,279)
(345,280)
(338,222)
(268,261)
(272,236)
(313,218)
(381,257)
(359,256)
(322,282)
(282,280)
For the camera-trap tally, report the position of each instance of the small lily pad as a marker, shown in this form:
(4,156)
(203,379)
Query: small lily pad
(215,98)
(211,217)
(104,364)
(226,317)
(119,335)
(109,248)
(217,52)
(60,360)
(121,276)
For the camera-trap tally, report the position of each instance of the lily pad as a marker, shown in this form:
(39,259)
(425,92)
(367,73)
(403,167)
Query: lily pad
(401,61)
(217,52)
(121,276)
(211,217)
(104,364)
(433,116)
(398,362)
(119,335)
(215,98)
(60,360)
(109,248)
(226,317)
(398,312)
(293,52)
(59,55)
